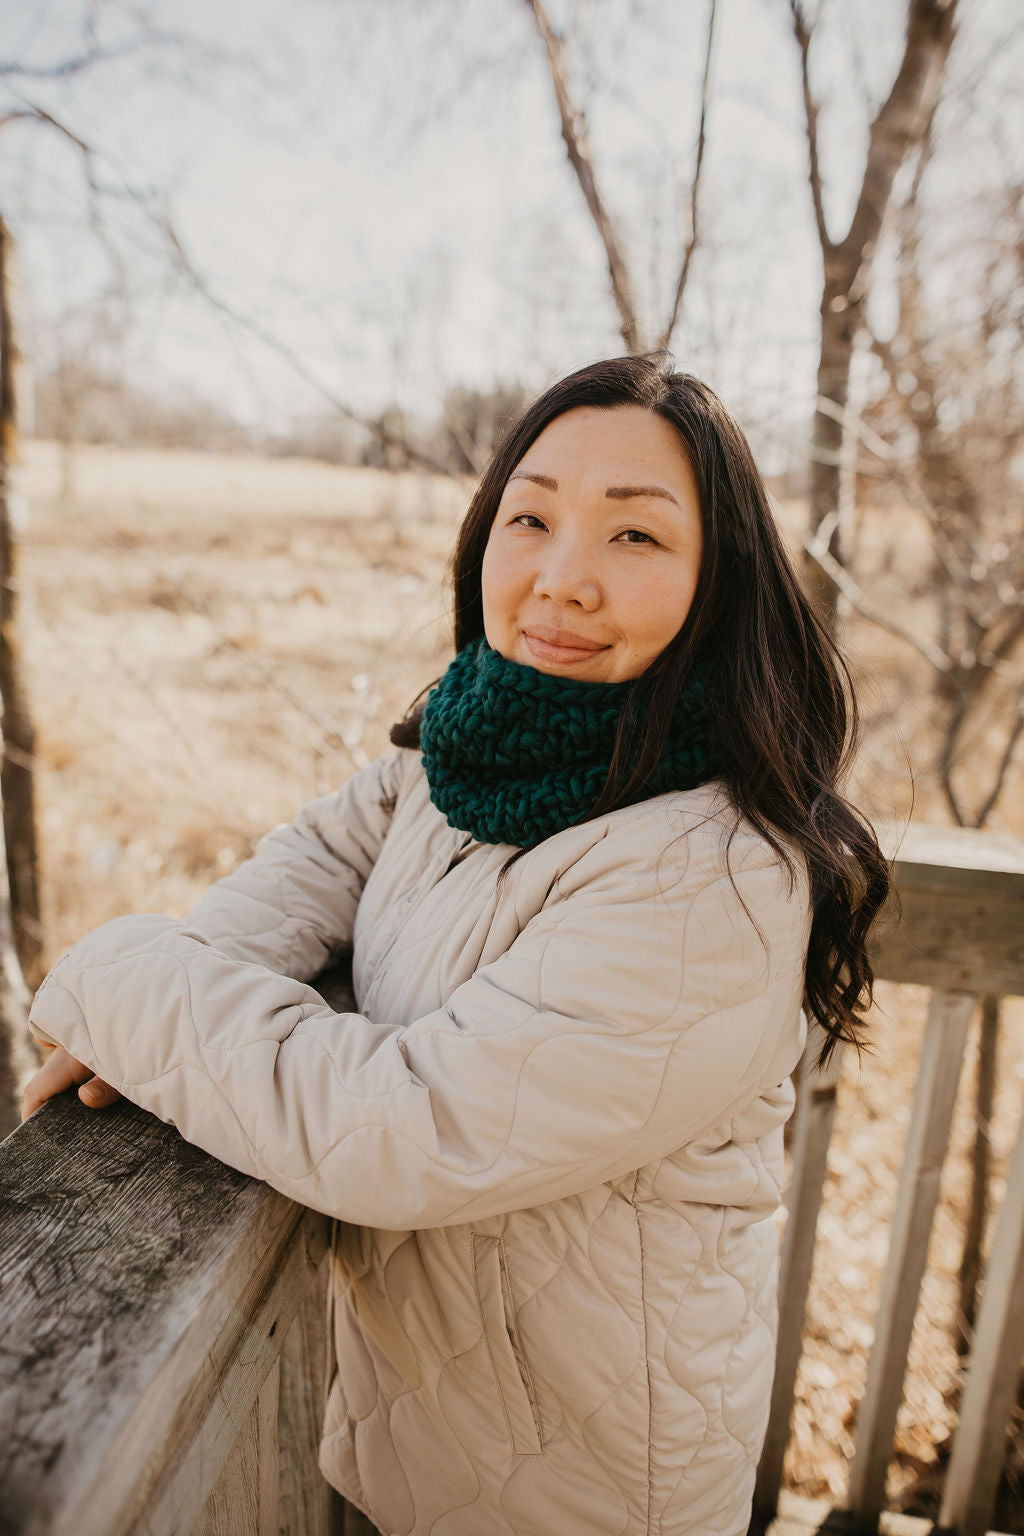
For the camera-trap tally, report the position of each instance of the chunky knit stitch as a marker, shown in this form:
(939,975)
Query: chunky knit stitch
(513,755)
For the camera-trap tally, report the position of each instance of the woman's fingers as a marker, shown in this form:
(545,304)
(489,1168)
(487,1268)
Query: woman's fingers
(97,1094)
(59,1072)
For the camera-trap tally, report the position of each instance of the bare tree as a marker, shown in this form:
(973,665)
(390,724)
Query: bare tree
(19,899)
(898,127)
(21,947)
(17,784)
(954,397)
(575,135)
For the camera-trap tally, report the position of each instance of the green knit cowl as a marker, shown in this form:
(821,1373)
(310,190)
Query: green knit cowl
(513,755)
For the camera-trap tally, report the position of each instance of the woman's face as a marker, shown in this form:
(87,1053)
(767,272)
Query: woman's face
(593,556)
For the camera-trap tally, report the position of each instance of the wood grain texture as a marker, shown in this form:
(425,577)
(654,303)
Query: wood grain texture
(927,1140)
(132,1274)
(961,927)
(110,1226)
(148,1291)
(308,1504)
(244,1500)
(215,1389)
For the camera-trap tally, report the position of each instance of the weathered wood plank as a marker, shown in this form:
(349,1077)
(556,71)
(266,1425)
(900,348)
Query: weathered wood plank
(309,1506)
(126,1258)
(244,1501)
(990,1390)
(962,899)
(815,1114)
(266,1416)
(215,1389)
(92,1294)
(927,1140)
(233,1508)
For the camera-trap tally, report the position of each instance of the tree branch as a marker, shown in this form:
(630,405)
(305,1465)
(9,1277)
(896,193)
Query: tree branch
(802,30)
(384,435)
(691,244)
(574,135)
(32,112)
(74,65)
(1007,644)
(818,551)
(1004,765)
(902,117)
(161,219)
(946,760)
(948,554)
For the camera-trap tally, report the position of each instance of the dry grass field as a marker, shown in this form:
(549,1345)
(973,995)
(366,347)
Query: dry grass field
(212,641)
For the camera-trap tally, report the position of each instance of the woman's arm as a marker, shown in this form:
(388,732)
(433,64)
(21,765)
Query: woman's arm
(289,908)
(292,905)
(626,1018)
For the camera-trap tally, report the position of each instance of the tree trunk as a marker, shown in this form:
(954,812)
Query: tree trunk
(899,127)
(17,785)
(984,1100)
(16,1058)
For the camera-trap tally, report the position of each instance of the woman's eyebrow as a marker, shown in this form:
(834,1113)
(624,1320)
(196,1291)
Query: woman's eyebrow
(525,474)
(613,493)
(624,492)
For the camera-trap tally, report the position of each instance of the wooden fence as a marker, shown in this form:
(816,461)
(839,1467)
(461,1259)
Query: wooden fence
(961,933)
(162,1346)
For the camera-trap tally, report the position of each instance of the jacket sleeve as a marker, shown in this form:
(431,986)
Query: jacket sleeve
(292,905)
(626,1018)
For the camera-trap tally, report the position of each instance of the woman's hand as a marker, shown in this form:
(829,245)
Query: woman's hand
(60,1071)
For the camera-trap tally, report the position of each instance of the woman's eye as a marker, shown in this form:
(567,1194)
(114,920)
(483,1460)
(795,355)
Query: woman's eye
(527,520)
(636,536)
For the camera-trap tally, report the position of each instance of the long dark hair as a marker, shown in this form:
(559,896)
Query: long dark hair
(784,717)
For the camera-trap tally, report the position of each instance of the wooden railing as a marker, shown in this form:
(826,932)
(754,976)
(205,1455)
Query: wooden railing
(162,1335)
(961,932)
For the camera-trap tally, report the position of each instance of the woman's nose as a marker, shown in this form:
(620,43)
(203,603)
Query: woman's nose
(567,576)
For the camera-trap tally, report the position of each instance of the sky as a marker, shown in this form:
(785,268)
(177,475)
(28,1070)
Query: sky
(374,204)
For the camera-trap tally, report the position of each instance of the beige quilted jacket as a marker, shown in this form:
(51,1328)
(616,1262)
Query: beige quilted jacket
(552,1135)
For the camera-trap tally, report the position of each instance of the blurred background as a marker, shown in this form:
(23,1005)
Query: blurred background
(274,278)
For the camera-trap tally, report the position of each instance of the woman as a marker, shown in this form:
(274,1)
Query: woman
(585,899)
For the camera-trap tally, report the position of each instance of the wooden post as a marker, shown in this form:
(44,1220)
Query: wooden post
(989,1393)
(308,1503)
(244,1501)
(977,1211)
(927,1140)
(815,1114)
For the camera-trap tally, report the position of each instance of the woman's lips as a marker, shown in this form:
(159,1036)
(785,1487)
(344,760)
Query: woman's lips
(560,645)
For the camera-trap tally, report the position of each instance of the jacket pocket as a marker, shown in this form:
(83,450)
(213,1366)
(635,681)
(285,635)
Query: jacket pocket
(511,1372)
